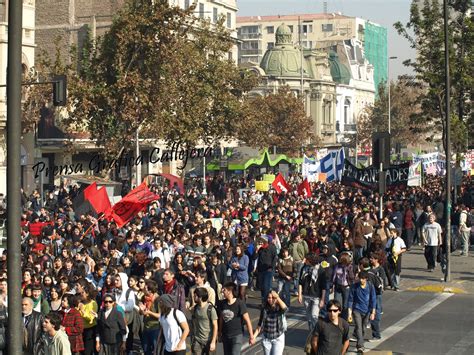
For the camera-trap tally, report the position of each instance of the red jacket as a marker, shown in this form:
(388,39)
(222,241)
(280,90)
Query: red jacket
(74,325)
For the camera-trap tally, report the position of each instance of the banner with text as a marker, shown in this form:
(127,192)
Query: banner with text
(397,175)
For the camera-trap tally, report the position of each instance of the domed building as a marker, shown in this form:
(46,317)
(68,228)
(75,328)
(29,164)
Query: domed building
(307,74)
(335,80)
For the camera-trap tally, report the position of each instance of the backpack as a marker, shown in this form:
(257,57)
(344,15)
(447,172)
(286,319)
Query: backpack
(341,280)
(376,281)
(469,220)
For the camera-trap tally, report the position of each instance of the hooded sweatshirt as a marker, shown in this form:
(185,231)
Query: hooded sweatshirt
(121,296)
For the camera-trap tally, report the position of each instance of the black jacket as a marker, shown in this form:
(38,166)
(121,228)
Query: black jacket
(33,334)
(267,258)
(112,329)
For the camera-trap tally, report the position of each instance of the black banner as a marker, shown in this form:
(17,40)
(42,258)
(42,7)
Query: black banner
(397,175)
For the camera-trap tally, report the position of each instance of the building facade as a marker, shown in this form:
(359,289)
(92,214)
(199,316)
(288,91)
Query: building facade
(28,61)
(335,80)
(256,35)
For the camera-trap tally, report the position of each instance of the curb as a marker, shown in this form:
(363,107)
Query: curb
(437,289)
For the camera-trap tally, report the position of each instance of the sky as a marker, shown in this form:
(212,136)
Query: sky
(383,12)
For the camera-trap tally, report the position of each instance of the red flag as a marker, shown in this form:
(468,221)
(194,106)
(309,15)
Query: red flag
(280,185)
(98,198)
(304,189)
(129,206)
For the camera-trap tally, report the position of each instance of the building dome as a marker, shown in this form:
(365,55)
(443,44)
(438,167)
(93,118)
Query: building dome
(283,34)
(285,58)
(339,72)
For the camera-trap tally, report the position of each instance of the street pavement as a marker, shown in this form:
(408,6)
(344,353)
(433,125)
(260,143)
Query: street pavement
(429,316)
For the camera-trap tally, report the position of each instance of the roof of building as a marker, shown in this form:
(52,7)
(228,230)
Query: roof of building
(285,58)
(340,73)
(302,17)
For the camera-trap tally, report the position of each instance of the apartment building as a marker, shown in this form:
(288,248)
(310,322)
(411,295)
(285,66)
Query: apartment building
(257,34)
(28,61)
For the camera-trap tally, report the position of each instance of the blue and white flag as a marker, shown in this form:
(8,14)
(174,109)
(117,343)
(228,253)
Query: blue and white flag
(332,165)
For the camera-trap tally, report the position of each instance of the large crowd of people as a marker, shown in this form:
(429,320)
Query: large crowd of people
(177,276)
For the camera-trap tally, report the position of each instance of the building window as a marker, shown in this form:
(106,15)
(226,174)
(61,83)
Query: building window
(186,4)
(327,27)
(306,28)
(347,110)
(229,20)
(230,56)
(214,14)
(3,11)
(28,33)
(307,44)
(250,45)
(201,10)
(270,29)
(291,28)
(270,45)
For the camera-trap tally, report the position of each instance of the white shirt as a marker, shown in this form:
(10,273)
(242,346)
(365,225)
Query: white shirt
(432,234)
(172,330)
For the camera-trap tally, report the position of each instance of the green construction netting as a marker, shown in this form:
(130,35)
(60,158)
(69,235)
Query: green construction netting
(375,46)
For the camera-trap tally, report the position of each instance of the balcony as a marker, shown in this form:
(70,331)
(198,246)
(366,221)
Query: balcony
(244,36)
(350,127)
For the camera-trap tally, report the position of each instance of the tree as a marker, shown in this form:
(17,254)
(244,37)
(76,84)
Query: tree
(275,120)
(427,24)
(405,107)
(158,70)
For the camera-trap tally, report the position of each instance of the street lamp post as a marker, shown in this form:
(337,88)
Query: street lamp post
(389,106)
(447,276)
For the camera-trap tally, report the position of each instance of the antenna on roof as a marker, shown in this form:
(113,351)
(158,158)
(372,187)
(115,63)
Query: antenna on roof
(325,7)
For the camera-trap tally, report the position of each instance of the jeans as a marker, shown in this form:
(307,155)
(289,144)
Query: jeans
(465,241)
(198,348)
(233,345)
(266,283)
(274,346)
(378,316)
(284,291)
(149,340)
(409,235)
(341,294)
(360,321)
(322,311)
(299,266)
(431,253)
(311,304)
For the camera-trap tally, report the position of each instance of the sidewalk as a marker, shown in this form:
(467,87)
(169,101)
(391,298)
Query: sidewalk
(415,276)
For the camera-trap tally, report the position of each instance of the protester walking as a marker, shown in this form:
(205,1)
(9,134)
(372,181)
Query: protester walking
(174,327)
(272,325)
(331,334)
(394,248)
(57,342)
(362,307)
(432,240)
(312,288)
(111,335)
(205,324)
(232,314)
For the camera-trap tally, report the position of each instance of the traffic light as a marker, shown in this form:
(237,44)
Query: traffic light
(381,149)
(59,90)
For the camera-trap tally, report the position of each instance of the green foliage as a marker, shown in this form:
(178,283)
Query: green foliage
(159,70)
(427,25)
(405,108)
(276,120)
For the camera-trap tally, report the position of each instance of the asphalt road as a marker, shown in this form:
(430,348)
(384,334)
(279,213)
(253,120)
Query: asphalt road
(412,323)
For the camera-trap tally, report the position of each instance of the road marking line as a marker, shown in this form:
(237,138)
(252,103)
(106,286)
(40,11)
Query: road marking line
(409,319)
(463,345)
